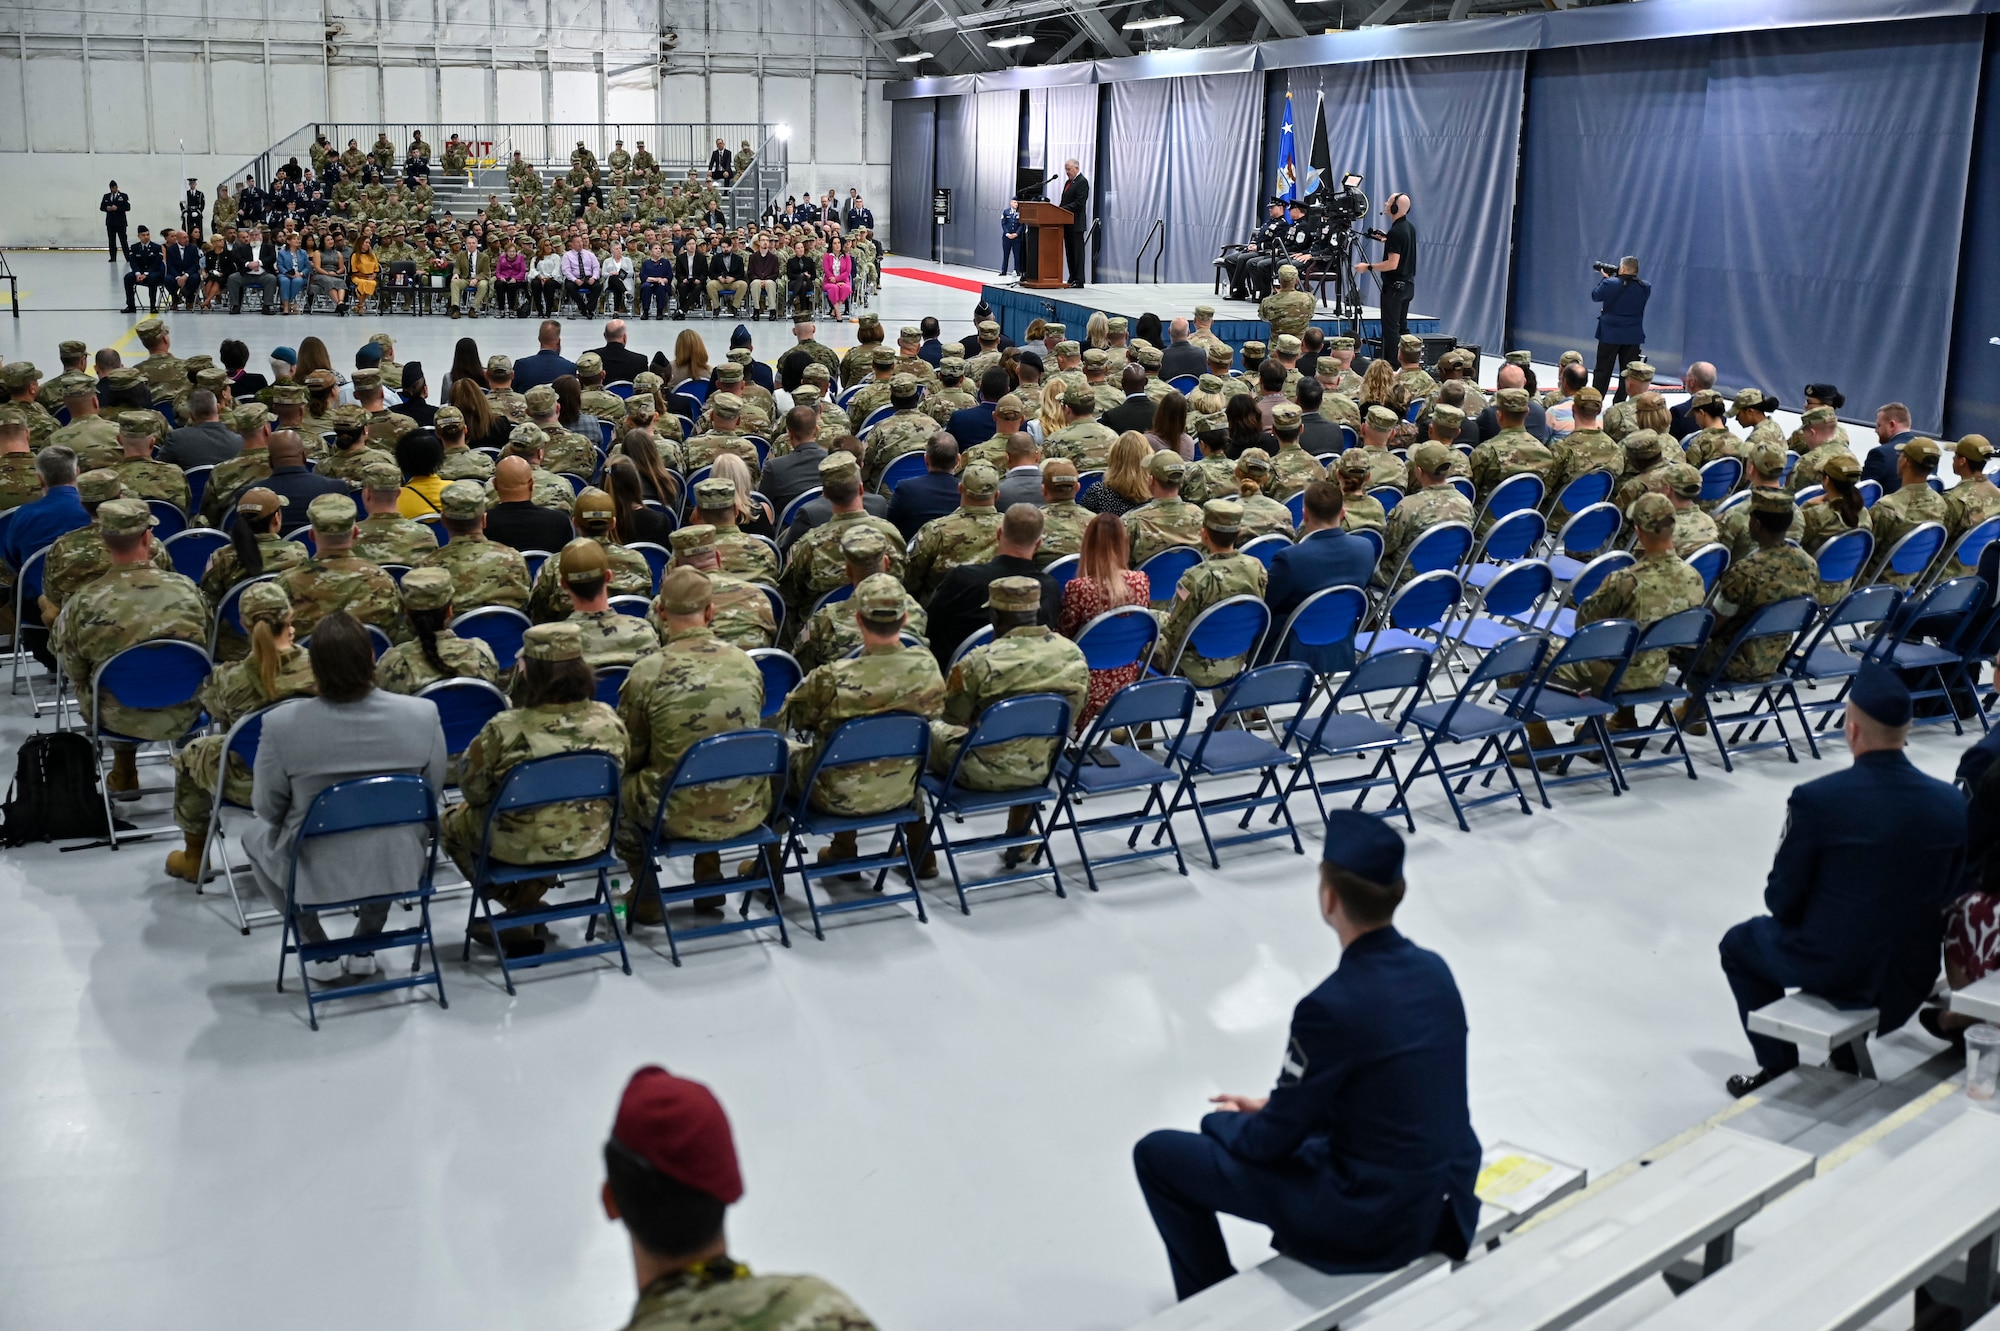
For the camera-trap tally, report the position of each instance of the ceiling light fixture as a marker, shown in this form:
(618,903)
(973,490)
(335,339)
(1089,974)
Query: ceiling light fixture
(913,57)
(1164,21)
(1018,39)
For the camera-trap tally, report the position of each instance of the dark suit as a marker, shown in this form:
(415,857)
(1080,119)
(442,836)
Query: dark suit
(1680,420)
(621,363)
(921,498)
(544,367)
(183,273)
(786,478)
(201,445)
(1319,435)
(1856,903)
(1134,413)
(1183,358)
(1330,558)
(971,425)
(299,487)
(1488,422)
(523,526)
(1076,200)
(1880,463)
(958,606)
(1364,1159)
(931,352)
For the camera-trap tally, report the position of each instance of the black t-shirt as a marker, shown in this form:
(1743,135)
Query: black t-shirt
(1402,240)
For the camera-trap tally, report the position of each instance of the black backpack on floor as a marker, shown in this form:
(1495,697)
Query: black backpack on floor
(54,796)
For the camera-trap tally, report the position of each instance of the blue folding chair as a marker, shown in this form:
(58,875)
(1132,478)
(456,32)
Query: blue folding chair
(191,550)
(1163,571)
(228,610)
(1027,719)
(1843,557)
(464,707)
(731,757)
(1542,699)
(1339,734)
(1231,629)
(1507,541)
(1096,768)
(499,627)
(1184,384)
(1560,618)
(906,467)
(860,741)
(1118,638)
(1711,560)
(1947,614)
(534,559)
(1869,613)
(1226,748)
(197,479)
(147,676)
(1372,535)
(171,521)
(1785,619)
(366,804)
(694,388)
(1348,438)
(1720,477)
(792,509)
(657,558)
(1519,491)
(1087,479)
(1414,410)
(1966,550)
(1388,496)
(875,418)
(1440,547)
(781,673)
(622,387)
(1465,487)
(1295,504)
(1912,554)
(1264,549)
(694,478)
(638,607)
(610,679)
(241,741)
(577,778)
(1506,607)
(1683,632)
(1871,491)
(776,600)
(833,596)
(1586,491)
(1326,619)
(1063,569)
(979,637)
(1464,721)
(1424,605)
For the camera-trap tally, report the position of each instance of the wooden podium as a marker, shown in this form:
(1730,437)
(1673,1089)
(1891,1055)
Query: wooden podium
(1045,247)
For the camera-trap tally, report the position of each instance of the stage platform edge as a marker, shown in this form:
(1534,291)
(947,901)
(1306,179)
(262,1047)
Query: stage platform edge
(1236,321)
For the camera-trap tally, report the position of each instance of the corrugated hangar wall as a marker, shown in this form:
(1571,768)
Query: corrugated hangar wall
(124,88)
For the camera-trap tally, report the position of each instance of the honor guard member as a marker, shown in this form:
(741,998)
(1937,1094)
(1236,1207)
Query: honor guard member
(482,572)
(116,205)
(1765,470)
(1435,500)
(593,517)
(1247,267)
(434,652)
(194,207)
(1167,521)
(970,534)
(335,578)
(696,685)
(1623,416)
(1288,309)
(385,535)
(1896,515)
(831,632)
(1363,1156)
(1225,572)
(743,614)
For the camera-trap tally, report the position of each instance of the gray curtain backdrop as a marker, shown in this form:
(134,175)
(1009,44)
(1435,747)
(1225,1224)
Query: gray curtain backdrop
(1973,404)
(913,144)
(957,164)
(999,157)
(1176,154)
(1442,130)
(1062,123)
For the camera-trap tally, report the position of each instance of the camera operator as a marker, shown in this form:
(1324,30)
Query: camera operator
(1398,271)
(1243,264)
(1621,324)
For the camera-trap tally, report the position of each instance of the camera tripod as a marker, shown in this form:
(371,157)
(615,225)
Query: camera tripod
(1346,299)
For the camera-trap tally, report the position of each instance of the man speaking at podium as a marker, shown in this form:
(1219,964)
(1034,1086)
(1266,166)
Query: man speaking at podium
(1075,199)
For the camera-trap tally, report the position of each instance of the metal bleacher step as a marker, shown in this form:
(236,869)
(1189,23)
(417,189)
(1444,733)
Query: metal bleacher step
(1817,1027)
(1980,999)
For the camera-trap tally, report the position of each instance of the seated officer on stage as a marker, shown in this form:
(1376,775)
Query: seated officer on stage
(1857,904)
(1363,1157)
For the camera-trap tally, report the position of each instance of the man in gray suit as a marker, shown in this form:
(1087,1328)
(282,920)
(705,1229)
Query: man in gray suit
(1022,482)
(352,729)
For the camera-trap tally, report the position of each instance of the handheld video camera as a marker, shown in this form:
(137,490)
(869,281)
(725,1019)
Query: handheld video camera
(1608,269)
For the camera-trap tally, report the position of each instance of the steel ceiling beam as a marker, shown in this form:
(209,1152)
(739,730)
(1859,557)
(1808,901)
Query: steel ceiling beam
(1214,20)
(1385,11)
(1278,13)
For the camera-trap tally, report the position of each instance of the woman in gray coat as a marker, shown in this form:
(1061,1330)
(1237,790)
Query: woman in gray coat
(352,729)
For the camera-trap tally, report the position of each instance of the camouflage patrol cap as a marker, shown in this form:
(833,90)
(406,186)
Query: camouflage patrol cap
(462,500)
(903,385)
(1288,274)
(685,591)
(1642,447)
(1818,416)
(725,404)
(1148,356)
(816,375)
(1116,323)
(1286,344)
(1286,417)
(1204,311)
(1589,395)
(320,381)
(1019,595)
(1219,354)
(1354,462)
(1079,397)
(150,325)
(1569,358)
(1445,416)
(1520,358)
(1767,459)
(1652,513)
(1752,399)
(1841,467)
(1511,400)
(138,423)
(910,333)
(1056,331)
(1166,467)
(122,517)
(693,539)
(951,367)
(1973,448)
(1772,500)
(71,349)
(882,357)
(979,481)
(1431,456)
(423,589)
(1208,383)
(247,418)
(331,515)
(75,385)
(1255,462)
(838,465)
(347,419)
(1222,515)
(731,370)
(1069,347)
(528,436)
(1254,349)
(212,379)
(18,375)
(365,380)
(1059,474)
(269,603)
(542,400)
(582,560)
(646,381)
(988,330)
(1923,452)
(383,340)
(863,547)
(1381,418)
(560,641)
(589,363)
(260,502)
(715,492)
(1010,406)
(1409,342)
(500,365)
(98,485)
(124,377)
(1339,344)
(879,599)
(593,508)
(447,416)
(1683,480)
(803,396)
(869,320)
(201,360)
(1096,358)
(382,477)
(1639,372)
(294,395)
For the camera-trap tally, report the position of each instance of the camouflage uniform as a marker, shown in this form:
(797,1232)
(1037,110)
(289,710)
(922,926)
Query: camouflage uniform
(631,575)
(230,694)
(1657,586)
(1692,530)
(892,678)
(904,432)
(78,558)
(1732,529)
(613,638)
(702,451)
(143,478)
(1705,446)
(551,833)
(831,632)
(403,669)
(1822,522)
(1765,577)
(19,481)
(231,478)
(1896,515)
(1384,467)
(969,534)
(1262,516)
(1510,453)
(815,566)
(1292,470)
(1022,660)
(390,538)
(1215,579)
(129,604)
(1581,452)
(462,464)
(1162,524)
(1968,504)
(482,572)
(225,570)
(733,1298)
(324,584)
(1288,309)
(1363,511)
(1063,522)
(1415,516)
(1086,443)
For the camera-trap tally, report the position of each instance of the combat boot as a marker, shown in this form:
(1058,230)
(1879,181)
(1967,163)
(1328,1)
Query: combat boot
(123,778)
(640,907)
(844,846)
(186,864)
(708,869)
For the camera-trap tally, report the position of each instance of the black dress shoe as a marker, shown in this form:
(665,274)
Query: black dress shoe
(1929,1019)
(1741,1085)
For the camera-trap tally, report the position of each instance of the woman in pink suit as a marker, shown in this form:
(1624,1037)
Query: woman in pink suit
(837,277)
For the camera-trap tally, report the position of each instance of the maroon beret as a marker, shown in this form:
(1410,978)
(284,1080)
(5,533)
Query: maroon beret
(677,1126)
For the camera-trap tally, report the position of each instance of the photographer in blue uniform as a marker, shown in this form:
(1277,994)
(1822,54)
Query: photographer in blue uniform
(1362,1157)
(1621,324)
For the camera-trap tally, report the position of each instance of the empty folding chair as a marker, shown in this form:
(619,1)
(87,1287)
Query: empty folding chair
(1684,632)
(1519,491)
(734,757)
(781,673)
(1506,607)
(1560,618)
(499,627)
(657,558)
(1778,624)
(1711,561)
(1584,536)
(1228,631)
(863,740)
(1227,748)
(464,707)
(1464,721)
(1038,722)
(576,780)
(1506,542)
(1720,477)
(1424,605)
(1163,571)
(1320,630)
(1097,769)
(1822,658)
(1339,734)
(1545,700)
(369,803)
(1593,487)
(1946,615)
(1441,547)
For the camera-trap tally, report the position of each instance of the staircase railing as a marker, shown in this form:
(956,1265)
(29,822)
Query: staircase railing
(676,145)
(1159,230)
(743,202)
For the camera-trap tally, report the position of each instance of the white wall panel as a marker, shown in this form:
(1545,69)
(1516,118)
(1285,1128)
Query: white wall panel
(837,103)
(240,116)
(298,97)
(629,98)
(788,102)
(733,97)
(576,25)
(13,112)
(55,105)
(878,122)
(178,101)
(356,95)
(118,105)
(684,97)
(466,23)
(519,94)
(406,94)
(575,97)
(461,94)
